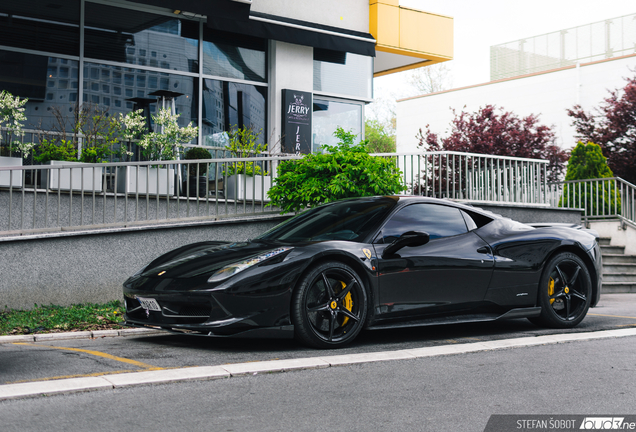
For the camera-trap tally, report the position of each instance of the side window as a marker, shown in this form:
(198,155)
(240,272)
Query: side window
(475,220)
(437,220)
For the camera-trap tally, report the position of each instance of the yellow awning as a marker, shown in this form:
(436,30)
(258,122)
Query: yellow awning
(408,38)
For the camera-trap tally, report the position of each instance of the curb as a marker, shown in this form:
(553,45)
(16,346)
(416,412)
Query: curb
(73,385)
(81,335)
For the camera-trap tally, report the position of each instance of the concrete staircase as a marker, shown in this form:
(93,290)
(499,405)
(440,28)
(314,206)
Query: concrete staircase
(619,270)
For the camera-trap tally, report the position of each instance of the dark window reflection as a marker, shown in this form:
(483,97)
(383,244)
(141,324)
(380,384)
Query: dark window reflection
(228,105)
(137,95)
(436,220)
(41,25)
(37,78)
(234,56)
(125,35)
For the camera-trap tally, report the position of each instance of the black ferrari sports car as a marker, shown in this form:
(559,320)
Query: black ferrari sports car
(370,263)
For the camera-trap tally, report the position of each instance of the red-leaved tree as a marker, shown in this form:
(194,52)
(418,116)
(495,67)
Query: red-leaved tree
(493,131)
(612,125)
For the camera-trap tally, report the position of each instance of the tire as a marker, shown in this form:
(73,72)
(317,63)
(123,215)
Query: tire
(565,292)
(330,306)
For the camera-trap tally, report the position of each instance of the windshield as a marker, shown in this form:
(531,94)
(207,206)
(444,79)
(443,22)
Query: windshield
(342,220)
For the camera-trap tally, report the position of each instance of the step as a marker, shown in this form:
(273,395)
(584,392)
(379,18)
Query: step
(618,258)
(604,241)
(618,287)
(619,267)
(619,277)
(612,250)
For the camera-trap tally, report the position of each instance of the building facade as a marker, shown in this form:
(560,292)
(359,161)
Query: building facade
(543,75)
(223,64)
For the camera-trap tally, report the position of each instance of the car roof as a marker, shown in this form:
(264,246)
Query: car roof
(408,199)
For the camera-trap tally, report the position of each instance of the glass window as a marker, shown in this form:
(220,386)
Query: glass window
(343,73)
(116,34)
(328,115)
(436,220)
(228,105)
(44,27)
(34,77)
(234,56)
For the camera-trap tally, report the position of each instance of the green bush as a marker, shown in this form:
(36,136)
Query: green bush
(62,150)
(345,170)
(243,144)
(379,139)
(599,198)
(194,153)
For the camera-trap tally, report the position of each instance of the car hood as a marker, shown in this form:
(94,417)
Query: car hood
(203,258)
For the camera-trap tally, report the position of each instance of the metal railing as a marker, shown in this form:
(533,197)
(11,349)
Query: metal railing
(78,196)
(473,177)
(587,43)
(605,198)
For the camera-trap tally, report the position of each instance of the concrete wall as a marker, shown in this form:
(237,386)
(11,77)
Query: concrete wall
(91,268)
(545,94)
(534,214)
(620,235)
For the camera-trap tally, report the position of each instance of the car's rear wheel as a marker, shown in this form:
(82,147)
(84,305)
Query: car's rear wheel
(565,292)
(329,306)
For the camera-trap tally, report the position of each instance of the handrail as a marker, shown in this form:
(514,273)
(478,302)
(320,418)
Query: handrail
(603,198)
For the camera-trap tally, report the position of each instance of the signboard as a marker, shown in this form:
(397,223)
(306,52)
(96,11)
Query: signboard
(297,112)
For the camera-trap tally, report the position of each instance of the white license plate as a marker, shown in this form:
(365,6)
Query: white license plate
(149,304)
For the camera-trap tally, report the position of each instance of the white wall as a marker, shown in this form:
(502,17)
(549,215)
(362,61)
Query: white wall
(620,237)
(547,95)
(347,14)
(290,67)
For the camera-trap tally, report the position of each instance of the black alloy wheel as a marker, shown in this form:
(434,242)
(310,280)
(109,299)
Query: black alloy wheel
(565,292)
(329,307)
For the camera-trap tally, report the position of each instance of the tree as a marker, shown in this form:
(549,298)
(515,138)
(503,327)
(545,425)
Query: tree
(344,170)
(431,79)
(379,139)
(493,131)
(415,82)
(612,125)
(598,198)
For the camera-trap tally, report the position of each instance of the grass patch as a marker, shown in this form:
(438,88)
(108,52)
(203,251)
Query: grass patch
(52,318)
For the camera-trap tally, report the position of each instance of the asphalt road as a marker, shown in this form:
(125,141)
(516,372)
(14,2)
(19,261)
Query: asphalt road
(447,393)
(36,361)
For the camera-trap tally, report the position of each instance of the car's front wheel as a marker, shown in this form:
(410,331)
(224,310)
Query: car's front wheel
(565,292)
(329,306)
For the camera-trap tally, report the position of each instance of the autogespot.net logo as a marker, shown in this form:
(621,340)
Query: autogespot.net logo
(607,423)
(560,423)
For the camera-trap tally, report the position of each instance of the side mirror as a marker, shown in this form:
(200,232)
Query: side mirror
(409,238)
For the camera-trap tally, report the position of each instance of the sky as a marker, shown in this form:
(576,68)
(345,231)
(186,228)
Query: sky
(481,24)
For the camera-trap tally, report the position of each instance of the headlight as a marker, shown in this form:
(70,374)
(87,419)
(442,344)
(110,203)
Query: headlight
(232,269)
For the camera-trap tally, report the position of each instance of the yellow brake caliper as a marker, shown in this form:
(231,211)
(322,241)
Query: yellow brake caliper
(348,303)
(551,290)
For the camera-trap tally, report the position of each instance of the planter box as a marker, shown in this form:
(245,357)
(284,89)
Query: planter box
(5,176)
(244,187)
(127,180)
(61,178)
